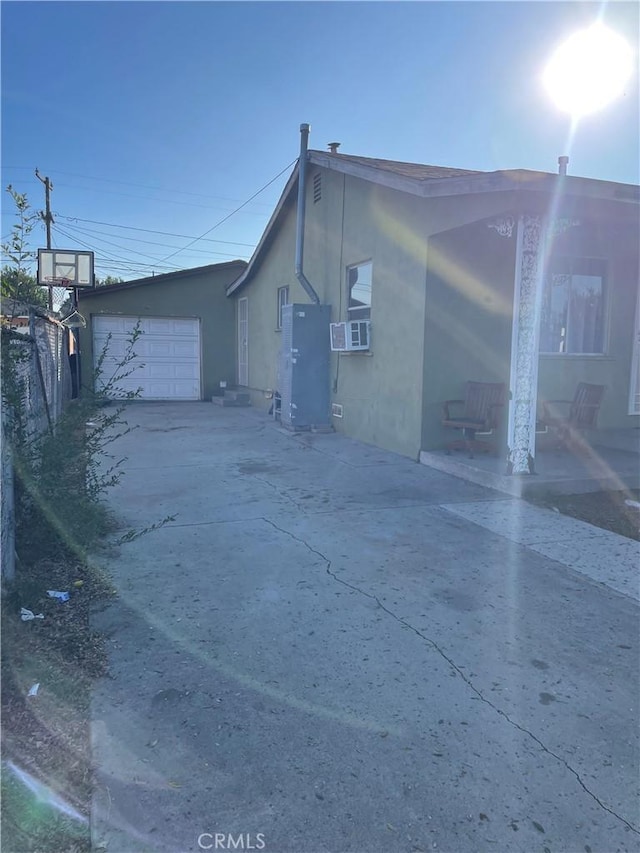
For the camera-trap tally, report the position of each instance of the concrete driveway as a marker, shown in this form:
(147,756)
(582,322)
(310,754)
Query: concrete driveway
(333,648)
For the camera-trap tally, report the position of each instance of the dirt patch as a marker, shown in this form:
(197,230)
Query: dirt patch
(606,509)
(46,748)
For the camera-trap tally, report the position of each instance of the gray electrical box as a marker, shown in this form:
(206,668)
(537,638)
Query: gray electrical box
(304,366)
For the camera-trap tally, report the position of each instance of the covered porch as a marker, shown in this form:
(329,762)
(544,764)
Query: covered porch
(608,460)
(552,308)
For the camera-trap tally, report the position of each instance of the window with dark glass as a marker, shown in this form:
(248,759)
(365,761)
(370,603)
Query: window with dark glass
(573,306)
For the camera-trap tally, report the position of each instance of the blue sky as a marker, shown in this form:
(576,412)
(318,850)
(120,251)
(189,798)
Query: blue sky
(167,116)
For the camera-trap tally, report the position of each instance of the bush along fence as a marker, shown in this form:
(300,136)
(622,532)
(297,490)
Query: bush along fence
(57,459)
(36,387)
(62,462)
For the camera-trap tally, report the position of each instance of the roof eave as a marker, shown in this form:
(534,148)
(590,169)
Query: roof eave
(482,182)
(266,234)
(367,173)
(157,279)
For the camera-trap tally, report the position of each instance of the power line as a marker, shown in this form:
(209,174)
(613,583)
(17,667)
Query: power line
(106,261)
(116,263)
(124,183)
(89,236)
(233,212)
(91,231)
(31,255)
(151,230)
(82,243)
(155,199)
(116,246)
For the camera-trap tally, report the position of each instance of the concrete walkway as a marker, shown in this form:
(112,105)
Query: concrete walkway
(333,648)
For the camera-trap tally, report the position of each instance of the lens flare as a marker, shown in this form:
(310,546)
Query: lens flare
(588,70)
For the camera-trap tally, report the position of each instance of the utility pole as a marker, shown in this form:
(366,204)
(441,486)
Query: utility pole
(47,217)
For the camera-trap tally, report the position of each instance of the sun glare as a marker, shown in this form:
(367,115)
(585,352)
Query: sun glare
(588,70)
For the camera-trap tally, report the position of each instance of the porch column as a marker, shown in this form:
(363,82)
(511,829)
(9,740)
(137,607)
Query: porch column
(523,378)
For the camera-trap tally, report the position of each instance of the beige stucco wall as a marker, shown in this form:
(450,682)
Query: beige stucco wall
(468,320)
(381,391)
(199,295)
(276,270)
(413,359)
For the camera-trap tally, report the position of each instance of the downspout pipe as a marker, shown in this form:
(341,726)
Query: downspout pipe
(302,185)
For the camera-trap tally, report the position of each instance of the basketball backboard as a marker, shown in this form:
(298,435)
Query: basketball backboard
(65,268)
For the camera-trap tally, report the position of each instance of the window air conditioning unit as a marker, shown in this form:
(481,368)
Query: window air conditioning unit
(350,336)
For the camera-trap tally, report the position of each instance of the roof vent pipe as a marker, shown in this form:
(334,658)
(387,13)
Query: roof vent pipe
(333,147)
(562,165)
(302,184)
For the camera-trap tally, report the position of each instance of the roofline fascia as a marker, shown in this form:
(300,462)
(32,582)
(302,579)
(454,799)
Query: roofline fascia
(235,285)
(155,279)
(540,182)
(500,181)
(367,173)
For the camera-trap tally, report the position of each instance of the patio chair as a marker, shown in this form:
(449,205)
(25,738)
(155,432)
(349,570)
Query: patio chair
(477,414)
(581,415)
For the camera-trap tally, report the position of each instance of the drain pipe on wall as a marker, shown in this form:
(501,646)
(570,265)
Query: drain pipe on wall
(302,185)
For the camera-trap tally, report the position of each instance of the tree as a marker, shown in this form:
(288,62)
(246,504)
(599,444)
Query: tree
(17,283)
(110,279)
(22,288)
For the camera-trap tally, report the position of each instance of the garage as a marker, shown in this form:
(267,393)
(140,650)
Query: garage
(187,350)
(167,363)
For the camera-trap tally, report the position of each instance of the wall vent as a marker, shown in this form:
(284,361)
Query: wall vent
(336,410)
(317,187)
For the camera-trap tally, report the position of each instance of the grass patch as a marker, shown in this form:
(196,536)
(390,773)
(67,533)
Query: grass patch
(34,824)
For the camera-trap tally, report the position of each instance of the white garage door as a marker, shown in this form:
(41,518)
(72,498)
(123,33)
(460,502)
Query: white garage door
(167,366)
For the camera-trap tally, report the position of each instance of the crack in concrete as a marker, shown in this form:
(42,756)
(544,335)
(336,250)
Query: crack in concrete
(457,669)
(278,491)
(307,513)
(215,521)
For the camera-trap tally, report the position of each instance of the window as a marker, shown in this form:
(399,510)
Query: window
(283,299)
(573,303)
(317,187)
(359,284)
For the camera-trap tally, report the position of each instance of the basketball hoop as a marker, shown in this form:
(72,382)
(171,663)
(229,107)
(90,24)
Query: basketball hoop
(52,281)
(66,268)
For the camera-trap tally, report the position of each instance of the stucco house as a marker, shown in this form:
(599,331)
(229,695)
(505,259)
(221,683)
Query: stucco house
(526,278)
(188,343)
